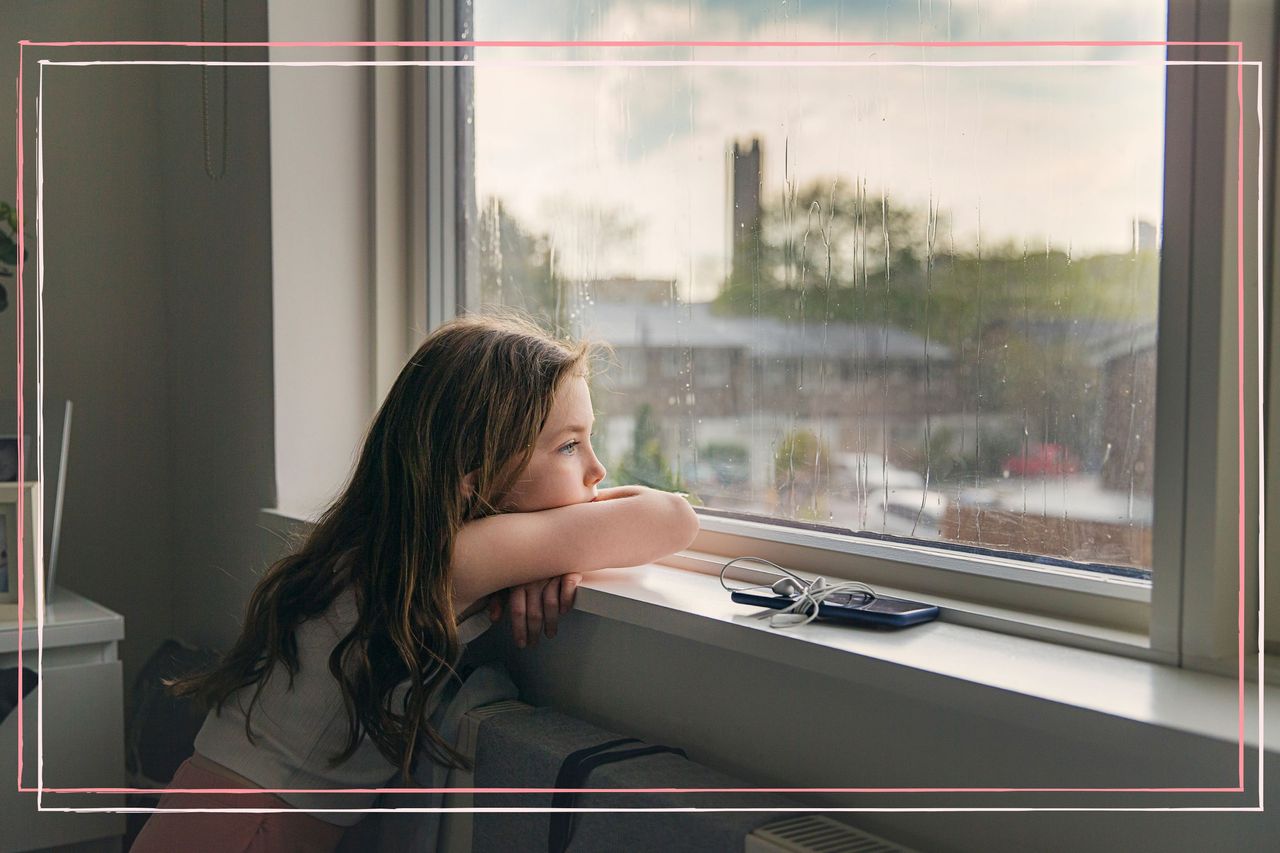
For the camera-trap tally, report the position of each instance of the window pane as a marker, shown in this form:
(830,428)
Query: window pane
(914,300)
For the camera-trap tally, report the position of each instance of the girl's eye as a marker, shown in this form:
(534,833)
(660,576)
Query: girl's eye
(568,450)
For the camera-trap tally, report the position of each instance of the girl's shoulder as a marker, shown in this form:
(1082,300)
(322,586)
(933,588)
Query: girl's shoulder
(339,617)
(343,612)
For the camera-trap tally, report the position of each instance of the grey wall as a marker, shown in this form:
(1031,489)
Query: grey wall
(217,251)
(273,371)
(159,300)
(778,726)
(157,316)
(106,326)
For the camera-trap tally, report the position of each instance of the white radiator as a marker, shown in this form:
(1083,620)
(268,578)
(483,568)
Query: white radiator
(815,834)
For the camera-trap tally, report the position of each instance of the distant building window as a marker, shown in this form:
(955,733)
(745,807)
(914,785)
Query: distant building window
(630,369)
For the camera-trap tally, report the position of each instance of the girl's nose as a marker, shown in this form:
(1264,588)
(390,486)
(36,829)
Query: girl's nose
(596,472)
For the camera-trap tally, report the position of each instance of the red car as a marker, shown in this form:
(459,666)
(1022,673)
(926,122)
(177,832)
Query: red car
(1042,460)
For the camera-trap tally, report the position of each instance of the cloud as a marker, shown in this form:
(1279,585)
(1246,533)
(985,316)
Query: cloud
(1064,154)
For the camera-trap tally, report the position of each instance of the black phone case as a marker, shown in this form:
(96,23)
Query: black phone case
(881,612)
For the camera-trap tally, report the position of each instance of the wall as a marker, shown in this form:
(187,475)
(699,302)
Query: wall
(159,302)
(216,237)
(158,317)
(782,727)
(273,372)
(320,191)
(106,312)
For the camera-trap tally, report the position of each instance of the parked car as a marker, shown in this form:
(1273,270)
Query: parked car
(862,473)
(1042,460)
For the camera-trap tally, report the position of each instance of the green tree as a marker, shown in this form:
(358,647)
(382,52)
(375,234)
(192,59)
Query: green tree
(817,253)
(802,475)
(832,252)
(645,464)
(517,268)
(8,248)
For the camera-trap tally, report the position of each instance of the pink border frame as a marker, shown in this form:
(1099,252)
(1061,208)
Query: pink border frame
(1239,46)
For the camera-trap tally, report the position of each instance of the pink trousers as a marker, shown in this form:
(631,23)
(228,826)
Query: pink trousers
(197,832)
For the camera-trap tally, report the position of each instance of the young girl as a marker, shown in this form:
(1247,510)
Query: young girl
(477,475)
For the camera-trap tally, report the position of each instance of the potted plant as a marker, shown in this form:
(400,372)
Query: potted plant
(8,249)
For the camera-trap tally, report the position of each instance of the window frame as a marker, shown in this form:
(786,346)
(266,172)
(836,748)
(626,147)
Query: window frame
(1195,558)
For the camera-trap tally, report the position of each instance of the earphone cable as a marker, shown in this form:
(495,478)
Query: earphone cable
(809,596)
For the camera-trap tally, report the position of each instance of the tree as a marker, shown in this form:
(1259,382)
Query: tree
(802,474)
(831,252)
(517,268)
(818,251)
(8,248)
(645,464)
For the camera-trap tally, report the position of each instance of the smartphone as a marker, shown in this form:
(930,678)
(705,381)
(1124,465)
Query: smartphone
(881,611)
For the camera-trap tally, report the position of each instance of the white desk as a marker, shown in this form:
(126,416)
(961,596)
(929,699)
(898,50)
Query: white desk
(83,727)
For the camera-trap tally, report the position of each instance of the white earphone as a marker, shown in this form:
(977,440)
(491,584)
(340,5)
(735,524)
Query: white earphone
(808,594)
(790,585)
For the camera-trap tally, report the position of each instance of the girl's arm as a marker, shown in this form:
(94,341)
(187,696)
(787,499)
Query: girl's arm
(627,526)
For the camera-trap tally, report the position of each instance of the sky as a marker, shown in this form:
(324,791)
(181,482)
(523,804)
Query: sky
(1063,157)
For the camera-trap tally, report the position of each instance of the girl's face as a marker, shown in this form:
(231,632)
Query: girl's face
(563,469)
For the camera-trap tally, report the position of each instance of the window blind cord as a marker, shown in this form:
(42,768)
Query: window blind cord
(808,594)
(204,97)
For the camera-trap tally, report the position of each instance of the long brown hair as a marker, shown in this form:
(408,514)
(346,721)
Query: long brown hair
(472,398)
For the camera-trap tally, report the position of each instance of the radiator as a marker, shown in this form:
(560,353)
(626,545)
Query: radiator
(816,834)
(801,833)
(456,827)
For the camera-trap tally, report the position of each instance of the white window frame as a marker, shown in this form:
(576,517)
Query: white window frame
(391,170)
(1188,613)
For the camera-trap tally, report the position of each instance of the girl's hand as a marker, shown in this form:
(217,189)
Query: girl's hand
(536,606)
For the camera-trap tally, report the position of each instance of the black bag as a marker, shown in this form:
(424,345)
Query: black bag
(162,730)
(9,697)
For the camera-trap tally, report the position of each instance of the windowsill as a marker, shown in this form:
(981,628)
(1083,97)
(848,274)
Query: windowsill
(690,604)
(1035,626)
(693,606)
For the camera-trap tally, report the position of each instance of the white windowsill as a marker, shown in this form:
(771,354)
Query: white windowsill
(692,605)
(1036,626)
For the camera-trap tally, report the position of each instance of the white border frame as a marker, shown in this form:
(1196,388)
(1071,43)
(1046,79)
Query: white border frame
(40,625)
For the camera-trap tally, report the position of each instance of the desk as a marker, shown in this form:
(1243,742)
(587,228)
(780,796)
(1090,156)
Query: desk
(83,727)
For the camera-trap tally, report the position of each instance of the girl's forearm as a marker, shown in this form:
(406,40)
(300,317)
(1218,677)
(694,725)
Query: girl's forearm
(624,529)
(615,492)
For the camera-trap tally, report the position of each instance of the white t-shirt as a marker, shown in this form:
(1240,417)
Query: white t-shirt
(297,731)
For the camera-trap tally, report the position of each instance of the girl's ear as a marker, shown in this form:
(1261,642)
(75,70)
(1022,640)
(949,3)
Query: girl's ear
(469,485)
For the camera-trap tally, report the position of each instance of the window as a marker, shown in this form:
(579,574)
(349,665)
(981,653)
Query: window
(885,303)
(630,370)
